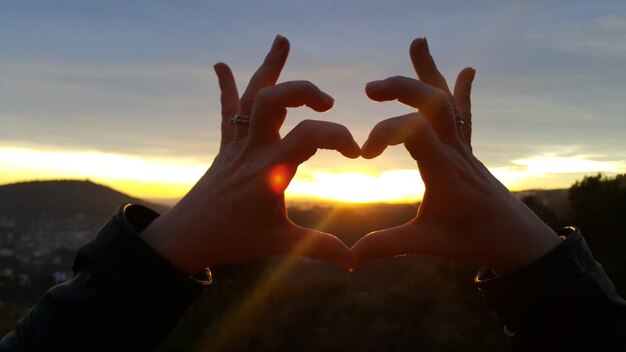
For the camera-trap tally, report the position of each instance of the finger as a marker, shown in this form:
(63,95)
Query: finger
(265,76)
(432,102)
(314,244)
(418,137)
(271,107)
(399,240)
(462,92)
(229,99)
(392,131)
(303,141)
(425,66)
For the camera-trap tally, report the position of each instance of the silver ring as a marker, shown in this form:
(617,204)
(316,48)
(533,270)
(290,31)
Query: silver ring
(239,119)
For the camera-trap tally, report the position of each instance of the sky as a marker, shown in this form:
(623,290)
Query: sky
(123,92)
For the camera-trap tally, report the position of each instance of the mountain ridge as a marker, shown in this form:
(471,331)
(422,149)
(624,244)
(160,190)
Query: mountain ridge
(42,199)
(62,198)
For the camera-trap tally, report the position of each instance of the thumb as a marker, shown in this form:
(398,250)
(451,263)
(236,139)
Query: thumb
(399,240)
(297,240)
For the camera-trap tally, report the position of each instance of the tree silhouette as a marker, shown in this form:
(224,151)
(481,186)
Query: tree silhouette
(598,208)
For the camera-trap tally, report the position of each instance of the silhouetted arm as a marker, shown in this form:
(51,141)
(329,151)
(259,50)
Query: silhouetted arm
(124,296)
(549,292)
(236,212)
(127,294)
(466,214)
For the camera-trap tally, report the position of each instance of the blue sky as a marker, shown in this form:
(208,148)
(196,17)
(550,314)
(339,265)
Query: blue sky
(135,77)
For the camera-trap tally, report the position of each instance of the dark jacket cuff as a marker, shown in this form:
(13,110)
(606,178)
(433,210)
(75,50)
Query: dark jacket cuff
(122,259)
(510,296)
(563,298)
(124,295)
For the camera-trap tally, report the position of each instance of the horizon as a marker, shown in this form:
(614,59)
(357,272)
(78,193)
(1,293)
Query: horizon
(124,94)
(300,203)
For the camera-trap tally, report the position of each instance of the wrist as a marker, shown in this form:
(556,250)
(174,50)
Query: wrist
(163,235)
(527,240)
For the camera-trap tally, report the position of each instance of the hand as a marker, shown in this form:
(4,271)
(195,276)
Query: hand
(236,211)
(466,213)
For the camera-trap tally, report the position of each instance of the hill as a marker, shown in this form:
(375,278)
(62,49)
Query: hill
(556,200)
(63,199)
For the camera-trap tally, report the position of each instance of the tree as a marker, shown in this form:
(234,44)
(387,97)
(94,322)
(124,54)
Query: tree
(598,208)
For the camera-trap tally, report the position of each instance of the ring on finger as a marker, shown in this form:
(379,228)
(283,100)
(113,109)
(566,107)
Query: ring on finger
(239,119)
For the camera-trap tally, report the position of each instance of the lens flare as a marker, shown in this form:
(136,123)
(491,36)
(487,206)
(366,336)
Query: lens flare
(279,178)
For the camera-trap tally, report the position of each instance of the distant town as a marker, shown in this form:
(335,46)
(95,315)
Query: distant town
(305,302)
(42,227)
(39,252)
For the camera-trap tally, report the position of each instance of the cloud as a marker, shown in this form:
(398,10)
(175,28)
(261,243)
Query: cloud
(134,78)
(600,36)
(172,176)
(612,23)
(550,170)
(122,108)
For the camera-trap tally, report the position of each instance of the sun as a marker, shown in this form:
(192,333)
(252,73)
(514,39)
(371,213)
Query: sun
(169,177)
(395,186)
(173,177)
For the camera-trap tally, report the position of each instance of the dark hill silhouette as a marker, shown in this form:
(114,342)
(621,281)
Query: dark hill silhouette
(61,199)
(556,200)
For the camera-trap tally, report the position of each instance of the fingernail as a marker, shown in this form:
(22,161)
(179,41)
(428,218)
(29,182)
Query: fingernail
(278,43)
(328,99)
(365,152)
(373,85)
(356,150)
(217,70)
(473,74)
(424,45)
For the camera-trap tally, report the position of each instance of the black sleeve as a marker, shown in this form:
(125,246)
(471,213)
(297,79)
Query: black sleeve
(124,296)
(562,302)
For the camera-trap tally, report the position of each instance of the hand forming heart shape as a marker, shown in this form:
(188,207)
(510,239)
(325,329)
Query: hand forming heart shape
(237,212)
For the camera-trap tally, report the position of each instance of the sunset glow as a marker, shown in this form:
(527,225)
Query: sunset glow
(136,105)
(166,177)
(390,186)
(552,171)
(137,176)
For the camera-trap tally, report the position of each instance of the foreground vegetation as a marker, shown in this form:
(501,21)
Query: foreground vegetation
(399,304)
